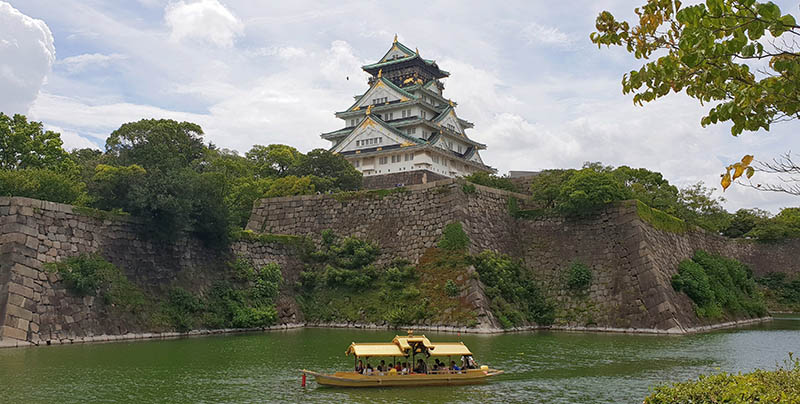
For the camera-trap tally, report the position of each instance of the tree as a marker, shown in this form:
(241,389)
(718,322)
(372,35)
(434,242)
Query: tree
(706,50)
(697,205)
(42,183)
(546,186)
(588,190)
(649,187)
(157,143)
(491,180)
(324,164)
(26,144)
(743,221)
(273,160)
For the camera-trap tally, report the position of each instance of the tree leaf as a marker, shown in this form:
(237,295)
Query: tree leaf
(750,172)
(726,181)
(747,159)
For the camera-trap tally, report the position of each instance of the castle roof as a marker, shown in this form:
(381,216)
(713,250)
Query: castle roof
(400,55)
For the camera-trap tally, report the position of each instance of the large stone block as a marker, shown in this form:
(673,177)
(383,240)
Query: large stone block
(13,333)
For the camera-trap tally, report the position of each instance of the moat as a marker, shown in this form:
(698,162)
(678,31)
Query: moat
(552,367)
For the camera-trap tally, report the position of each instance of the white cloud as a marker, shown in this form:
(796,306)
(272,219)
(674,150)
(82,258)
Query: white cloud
(541,34)
(26,56)
(206,20)
(72,140)
(80,63)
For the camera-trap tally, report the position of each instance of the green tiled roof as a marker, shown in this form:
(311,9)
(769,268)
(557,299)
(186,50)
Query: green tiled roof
(388,83)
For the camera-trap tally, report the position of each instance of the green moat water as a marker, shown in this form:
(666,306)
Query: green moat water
(546,367)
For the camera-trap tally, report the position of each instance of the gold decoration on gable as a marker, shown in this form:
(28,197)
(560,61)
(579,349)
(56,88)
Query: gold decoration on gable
(380,73)
(406,144)
(395,38)
(369,109)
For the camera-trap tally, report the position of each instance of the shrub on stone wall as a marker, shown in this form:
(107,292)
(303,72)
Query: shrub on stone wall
(454,238)
(451,289)
(760,386)
(45,184)
(513,292)
(491,180)
(781,290)
(579,277)
(719,286)
(92,275)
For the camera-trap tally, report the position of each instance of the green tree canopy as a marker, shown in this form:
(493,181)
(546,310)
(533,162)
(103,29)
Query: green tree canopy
(324,164)
(157,143)
(706,50)
(273,160)
(26,144)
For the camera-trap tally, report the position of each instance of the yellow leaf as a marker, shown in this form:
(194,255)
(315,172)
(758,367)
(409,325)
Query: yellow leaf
(726,181)
(738,170)
(746,160)
(750,172)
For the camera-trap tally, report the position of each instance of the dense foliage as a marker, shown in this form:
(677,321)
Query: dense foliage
(781,291)
(760,386)
(719,286)
(706,50)
(582,192)
(92,275)
(163,172)
(491,180)
(454,238)
(578,277)
(515,297)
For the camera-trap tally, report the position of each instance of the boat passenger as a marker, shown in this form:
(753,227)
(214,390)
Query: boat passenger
(404,370)
(368,371)
(454,367)
(360,367)
(421,367)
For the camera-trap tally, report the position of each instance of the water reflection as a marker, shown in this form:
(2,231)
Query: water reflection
(542,367)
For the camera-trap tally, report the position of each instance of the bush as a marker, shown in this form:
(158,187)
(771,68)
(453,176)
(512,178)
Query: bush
(182,307)
(761,386)
(490,180)
(579,277)
(44,184)
(92,275)
(719,285)
(454,238)
(451,289)
(514,294)
(587,191)
(252,317)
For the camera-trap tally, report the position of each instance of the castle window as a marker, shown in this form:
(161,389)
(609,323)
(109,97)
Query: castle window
(411,131)
(389,116)
(435,159)
(395,159)
(383,160)
(459,148)
(423,114)
(356,163)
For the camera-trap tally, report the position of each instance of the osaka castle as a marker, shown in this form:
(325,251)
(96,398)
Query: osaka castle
(403,130)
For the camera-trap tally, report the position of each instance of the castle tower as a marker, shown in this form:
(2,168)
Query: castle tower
(403,130)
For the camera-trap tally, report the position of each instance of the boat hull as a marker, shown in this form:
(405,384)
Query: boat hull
(352,379)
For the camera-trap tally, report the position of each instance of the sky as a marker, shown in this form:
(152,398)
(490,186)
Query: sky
(540,94)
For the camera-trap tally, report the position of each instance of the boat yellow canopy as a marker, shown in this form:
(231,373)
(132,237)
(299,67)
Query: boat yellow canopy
(376,349)
(402,346)
(450,349)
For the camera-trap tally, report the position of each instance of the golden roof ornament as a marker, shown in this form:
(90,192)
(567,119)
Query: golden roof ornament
(417,49)
(380,73)
(369,109)
(395,38)
(451,103)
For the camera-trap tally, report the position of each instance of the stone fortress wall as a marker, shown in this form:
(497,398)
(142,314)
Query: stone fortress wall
(632,262)
(35,306)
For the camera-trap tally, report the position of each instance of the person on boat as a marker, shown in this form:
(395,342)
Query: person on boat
(404,369)
(368,371)
(360,367)
(421,367)
(382,367)
(468,363)
(398,367)
(454,367)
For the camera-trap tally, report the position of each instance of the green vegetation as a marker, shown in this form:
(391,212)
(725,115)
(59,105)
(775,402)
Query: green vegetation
(578,277)
(369,194)
(660,220)
(454,238)
(246,302)
(514,296)
(719,286)
(515,211)
(782,292)
(760,386)
(703,50)
(92,275)
(468,188)
(290,239)
(491,180)
(451,288)
(583,192)
(40,183)
(162,172)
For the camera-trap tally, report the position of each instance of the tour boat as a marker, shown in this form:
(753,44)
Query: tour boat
(410,349)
